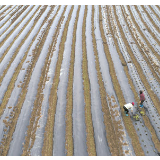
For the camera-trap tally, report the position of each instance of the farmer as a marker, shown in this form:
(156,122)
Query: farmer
(142,98)
(127,107)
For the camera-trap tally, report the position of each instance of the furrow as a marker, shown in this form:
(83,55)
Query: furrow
(79,127)
(16,60)
(66,73)
(9,16)
(148,51)
(2,11)
(87,97)
(49,128)
(36,112)
(148,29)
(32,85)
(7,12)
(60,116)
(152,19)
(111,133)
(69,106)
(2,6)
(17,33)
(110,52)
(139,125)
(140,82)
(96,106)
(114,107)
(15,21)
(38,144)
(153,79)
(155,10)
(119,80)
(12,51)
(17,108)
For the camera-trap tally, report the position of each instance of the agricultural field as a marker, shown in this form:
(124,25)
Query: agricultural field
(67,71)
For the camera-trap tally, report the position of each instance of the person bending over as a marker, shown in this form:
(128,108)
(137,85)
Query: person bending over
(127,107)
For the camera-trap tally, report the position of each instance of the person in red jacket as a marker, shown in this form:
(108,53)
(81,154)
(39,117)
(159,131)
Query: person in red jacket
(142,98)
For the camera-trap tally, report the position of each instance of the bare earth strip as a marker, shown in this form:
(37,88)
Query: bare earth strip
(86,84)
(17,108)
(48,136)
(128,123)
(45,60)
(69,107)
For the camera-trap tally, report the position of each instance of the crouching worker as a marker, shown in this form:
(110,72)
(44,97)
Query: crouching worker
(127,107)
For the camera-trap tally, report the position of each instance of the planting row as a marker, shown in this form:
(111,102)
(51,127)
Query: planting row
(67,71)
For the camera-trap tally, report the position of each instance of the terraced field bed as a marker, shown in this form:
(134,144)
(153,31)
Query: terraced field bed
(67,71)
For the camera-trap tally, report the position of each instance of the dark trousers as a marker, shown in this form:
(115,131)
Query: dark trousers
(142,102)
(125,109)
